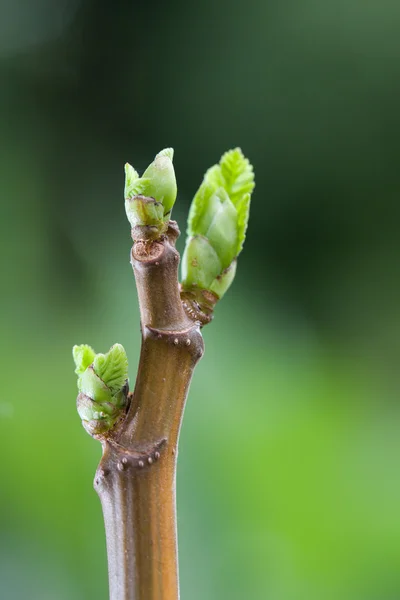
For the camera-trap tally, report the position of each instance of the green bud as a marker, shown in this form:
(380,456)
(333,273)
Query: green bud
(90,384)
(149,199)
(200,263)
(162,183)
(144,211)
(112,367)
(222,231)
(103,387)
(217,226)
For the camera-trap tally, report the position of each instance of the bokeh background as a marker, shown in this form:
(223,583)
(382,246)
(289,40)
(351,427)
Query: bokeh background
(289,481)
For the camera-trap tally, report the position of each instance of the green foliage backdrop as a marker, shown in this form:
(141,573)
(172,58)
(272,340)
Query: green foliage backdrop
(288,481)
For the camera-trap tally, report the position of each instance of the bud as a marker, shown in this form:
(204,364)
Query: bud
(149,199)
(200,263)
(217,226)
(103,387)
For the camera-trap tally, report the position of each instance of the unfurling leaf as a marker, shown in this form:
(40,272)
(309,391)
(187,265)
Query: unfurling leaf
(83,356)
(217,225)
(112,367)
(149,199)
(103,387)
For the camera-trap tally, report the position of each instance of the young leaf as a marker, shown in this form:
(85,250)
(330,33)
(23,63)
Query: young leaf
(112,368)
(131,182)
(243,211)
(219,214)
(157,183)
(237,173)
(102,383)
(83,356)
(200,209)
(200,263)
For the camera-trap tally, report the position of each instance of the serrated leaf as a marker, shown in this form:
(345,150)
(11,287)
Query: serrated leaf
(219,215)
(169,152)
(243,210)
(237,173)
(112,368)
(131,177)
(200,209)
(203,210)
(83,356)
(137,187)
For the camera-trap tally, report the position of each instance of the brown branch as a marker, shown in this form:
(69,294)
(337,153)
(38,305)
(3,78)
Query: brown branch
(136,476)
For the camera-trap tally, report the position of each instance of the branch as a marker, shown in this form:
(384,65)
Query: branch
(139,432)
(136,476)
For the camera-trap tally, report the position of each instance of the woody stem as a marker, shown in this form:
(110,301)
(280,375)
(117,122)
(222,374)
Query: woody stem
(136,476)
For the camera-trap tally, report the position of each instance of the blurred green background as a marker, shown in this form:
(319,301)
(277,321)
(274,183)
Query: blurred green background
(288,480)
